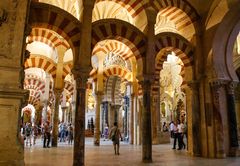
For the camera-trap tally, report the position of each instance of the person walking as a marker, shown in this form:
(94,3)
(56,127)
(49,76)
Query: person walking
(171,126)
(175,135)
(28,132)
(70,134)
(114,135)
(47,135)
(105,132)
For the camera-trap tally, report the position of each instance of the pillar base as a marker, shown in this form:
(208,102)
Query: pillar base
(147,160)
(163,137)
(220,155)
(234,152)
(96,143)
(12,162)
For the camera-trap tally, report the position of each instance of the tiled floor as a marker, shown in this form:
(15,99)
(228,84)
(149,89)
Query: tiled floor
(130,155)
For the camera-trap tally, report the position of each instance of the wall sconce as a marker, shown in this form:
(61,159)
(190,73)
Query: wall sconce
(3,16)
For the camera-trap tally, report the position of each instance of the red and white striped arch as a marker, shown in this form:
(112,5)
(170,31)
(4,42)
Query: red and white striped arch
(134,7)
(31,83)
(67,67)
(57,20)
(117,71)
(27,110)
(176,43)
(46,36)
(170,42)
(93,74)
(34,97)
(120,31)
(69,87)
(112,89)
(69,6)
(41,62)
(179,11)
(116,47)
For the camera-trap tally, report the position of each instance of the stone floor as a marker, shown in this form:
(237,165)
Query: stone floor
(130,155)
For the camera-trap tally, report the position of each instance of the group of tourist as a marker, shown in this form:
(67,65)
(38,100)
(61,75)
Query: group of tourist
(177,130)
(30,133)
(65,132)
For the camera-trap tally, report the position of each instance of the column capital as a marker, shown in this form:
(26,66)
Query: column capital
(98,93)
(57,92)
(151,15)
(88,3)
(145,78)
(194,85)
(231,87)
(64,108)
(81,76)
(217,84)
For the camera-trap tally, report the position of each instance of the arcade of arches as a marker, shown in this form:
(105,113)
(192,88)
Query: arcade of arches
(137,62)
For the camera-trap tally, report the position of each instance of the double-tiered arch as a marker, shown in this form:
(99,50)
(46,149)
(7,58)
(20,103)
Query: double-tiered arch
(55,19)
(169,42)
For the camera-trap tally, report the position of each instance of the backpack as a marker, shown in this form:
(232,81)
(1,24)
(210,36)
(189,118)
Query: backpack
(113,136)
(28,131)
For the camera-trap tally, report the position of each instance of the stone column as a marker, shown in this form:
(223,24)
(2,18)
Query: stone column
(217,120)
(233,134)
(111,114)
(159,126)
(131,118)
(194,119)
(146,122)
(116,112)
(154,120)
(81,70)
(79,129)
(146,82)
(237,107)
(73,103)
(46,97)
(135,111)
(98,99)
(57,93)
(140,108)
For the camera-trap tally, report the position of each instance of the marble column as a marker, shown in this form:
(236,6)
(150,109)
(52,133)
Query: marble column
(46,97)
(98,99)
(79,129)
(131,119)
(194,119)
(146,122)
(146,81)
(135,102)
(57,93)
(233,134)
(154,120)
(73,103)
(159,126)
(237,107)
(111,115)
(116,112)
(81,70)
(217,121)
(140,108)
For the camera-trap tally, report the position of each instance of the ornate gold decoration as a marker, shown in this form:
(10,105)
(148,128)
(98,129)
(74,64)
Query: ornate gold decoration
(113,59)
